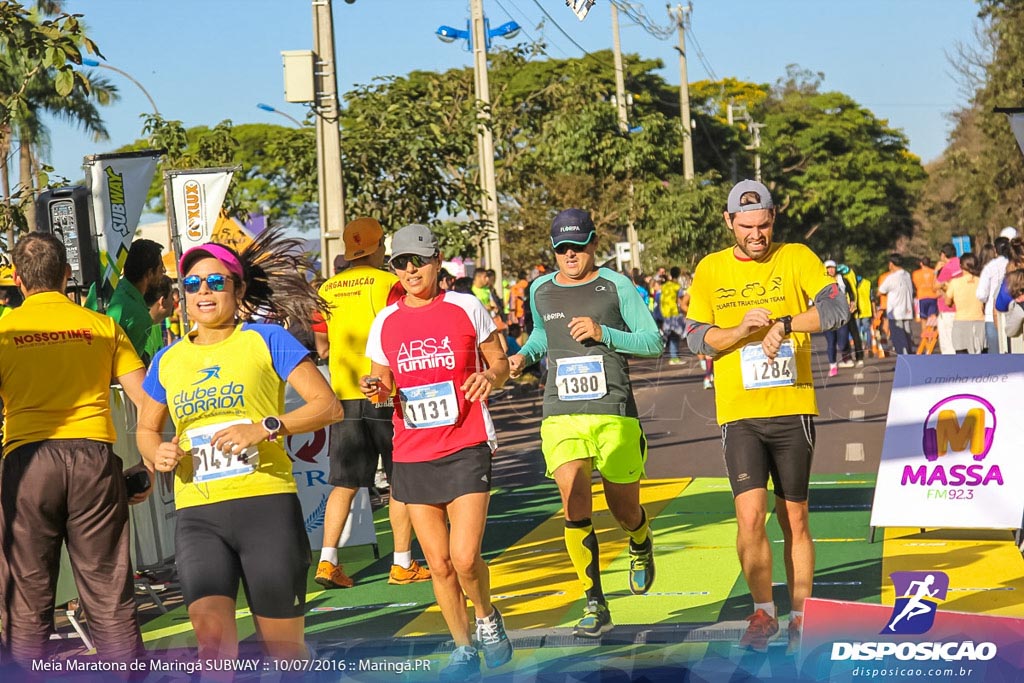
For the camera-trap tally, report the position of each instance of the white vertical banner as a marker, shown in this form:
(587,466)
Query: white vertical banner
(195,198)
(119,185)
(1017,126)
(311,468)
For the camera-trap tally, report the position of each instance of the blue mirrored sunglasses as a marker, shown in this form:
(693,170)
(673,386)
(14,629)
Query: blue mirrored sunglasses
(215,282)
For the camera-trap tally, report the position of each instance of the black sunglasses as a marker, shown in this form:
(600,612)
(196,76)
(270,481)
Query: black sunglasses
(215,282)
(403,261)
(562,248)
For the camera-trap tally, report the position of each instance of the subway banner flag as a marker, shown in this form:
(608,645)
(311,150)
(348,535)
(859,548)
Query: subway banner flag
(119,185)
(951,455)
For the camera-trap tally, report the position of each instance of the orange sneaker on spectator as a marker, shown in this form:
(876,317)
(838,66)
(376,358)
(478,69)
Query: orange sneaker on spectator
(331,575)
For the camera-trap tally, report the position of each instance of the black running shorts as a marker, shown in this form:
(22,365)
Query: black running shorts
(260,541)
(436,482)
(365,433)
(782,447)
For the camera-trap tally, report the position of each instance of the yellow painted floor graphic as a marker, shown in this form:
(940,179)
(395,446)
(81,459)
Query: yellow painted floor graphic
(984,567)
(533,581)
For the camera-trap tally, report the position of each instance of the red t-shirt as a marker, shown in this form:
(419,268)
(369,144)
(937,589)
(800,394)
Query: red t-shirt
(431,350)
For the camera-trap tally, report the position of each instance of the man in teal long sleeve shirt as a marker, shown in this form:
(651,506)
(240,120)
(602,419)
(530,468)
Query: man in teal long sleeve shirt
(585,319)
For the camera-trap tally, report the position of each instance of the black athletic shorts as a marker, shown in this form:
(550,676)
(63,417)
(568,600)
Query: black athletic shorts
(365,433)
(260,540)
(436,482)
(782,447)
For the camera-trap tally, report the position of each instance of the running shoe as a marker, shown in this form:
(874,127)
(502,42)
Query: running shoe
(860,364)
(380,481)
(463,665)
(796,630)
(596,621)
(708,383)
(490,634)
(675,361)
(833,370)
(641,566)
(400,576)
(847,363)
(331,575)
(760,631)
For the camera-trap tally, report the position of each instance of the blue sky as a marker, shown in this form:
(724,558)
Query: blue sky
(208,60)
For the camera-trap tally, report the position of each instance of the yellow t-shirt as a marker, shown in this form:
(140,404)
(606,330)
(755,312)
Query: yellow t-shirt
(864,298)
(239,378)
(355,295)
(57,360)
(724,288)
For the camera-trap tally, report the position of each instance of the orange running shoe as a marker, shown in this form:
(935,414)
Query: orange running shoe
(331,575)
(761,629)
(400,576)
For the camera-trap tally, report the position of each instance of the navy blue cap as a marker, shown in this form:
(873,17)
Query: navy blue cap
(574,226)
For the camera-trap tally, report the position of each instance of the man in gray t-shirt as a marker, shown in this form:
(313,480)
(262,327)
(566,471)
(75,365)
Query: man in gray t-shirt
(899,307)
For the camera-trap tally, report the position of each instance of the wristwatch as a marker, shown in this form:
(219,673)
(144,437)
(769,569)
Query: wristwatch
(787,324)
(273,427)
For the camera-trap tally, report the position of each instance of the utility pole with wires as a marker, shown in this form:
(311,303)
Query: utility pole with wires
(734,112)
(681,16)
(620,102)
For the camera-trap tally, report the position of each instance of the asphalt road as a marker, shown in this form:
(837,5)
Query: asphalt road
(678,416)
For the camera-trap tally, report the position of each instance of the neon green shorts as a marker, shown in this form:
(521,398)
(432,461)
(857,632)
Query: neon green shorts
(616,446)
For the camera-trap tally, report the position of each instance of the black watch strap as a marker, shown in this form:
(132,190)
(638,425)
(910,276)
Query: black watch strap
(787,324)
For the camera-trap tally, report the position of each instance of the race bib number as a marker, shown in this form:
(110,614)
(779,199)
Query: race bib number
(209,463)
(581,378)
(761,373)
(430,405)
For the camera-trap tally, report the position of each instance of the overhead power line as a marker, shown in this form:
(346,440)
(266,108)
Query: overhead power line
(635,11)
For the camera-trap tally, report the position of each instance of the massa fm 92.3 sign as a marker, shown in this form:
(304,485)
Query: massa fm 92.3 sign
(951,455)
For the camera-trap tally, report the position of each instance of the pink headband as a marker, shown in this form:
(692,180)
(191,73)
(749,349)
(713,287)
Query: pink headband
(218,252)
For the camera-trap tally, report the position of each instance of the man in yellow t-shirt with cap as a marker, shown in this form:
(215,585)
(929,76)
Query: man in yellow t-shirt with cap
(749,310)
(61,481)
(355,295)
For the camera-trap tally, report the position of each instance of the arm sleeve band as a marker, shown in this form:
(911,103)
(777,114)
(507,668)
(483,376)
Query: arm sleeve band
(833,311)
(695,333)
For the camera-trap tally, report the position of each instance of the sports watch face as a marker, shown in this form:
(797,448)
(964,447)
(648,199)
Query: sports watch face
(272,424)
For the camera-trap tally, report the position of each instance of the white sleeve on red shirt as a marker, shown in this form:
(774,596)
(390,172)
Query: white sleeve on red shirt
(476,312)
(374,348)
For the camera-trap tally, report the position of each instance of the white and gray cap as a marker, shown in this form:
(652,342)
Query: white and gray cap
(414,239)
(741,188)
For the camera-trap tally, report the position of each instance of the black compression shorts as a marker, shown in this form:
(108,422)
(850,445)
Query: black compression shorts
(780,447)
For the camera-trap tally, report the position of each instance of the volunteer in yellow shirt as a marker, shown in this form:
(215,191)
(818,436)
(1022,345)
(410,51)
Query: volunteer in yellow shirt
(354,297)
(61,481)
(749,309)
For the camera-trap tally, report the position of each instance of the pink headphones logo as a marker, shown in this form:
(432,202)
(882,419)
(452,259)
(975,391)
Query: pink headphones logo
(956,435)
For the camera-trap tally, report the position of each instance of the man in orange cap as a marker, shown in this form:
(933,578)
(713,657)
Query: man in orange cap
(355,295)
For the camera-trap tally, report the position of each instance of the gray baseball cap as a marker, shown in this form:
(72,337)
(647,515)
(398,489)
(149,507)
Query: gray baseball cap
(414,239)
(741,188)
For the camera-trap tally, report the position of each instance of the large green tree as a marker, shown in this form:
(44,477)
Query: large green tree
(844,179)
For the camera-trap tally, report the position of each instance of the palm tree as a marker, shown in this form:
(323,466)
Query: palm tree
(79,108)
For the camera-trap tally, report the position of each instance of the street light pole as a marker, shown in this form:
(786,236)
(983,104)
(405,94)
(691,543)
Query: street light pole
(88,61)
(620,102)
(485,141)
(267,107)
(328,137)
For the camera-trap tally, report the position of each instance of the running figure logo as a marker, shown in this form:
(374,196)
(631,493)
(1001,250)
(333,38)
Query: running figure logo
(917,597)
